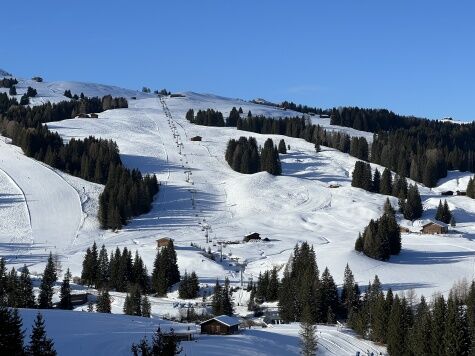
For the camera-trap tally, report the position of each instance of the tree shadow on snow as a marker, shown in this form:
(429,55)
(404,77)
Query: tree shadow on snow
(415,257)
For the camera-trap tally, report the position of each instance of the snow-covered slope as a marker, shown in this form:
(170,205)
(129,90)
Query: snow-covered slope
(297,206)
(108,334)
(50,213)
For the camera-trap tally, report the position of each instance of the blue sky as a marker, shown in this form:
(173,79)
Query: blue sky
(413,57)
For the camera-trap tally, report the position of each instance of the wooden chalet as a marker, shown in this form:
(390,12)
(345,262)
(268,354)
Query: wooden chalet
(220,325)
(462,193)
(196,138)
(435,227)
(164,241)
(404,229)
(254,236)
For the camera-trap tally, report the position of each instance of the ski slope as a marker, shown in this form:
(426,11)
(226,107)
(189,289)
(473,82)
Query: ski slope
(110,334)
(154,137)
(50,213)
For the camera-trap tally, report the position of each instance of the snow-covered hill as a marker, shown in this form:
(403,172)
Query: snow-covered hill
(297,206)
(108,334)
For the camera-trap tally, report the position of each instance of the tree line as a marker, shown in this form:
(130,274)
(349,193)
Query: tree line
(207,117)
(244,156)
(421,149)
(443,327)
(127,193)
(12,335)
(8,82)
(471,188)
(300,127)
(17,291)
(410,203)
(121,270)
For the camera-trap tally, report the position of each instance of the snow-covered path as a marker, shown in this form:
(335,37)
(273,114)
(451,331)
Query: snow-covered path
(53,205)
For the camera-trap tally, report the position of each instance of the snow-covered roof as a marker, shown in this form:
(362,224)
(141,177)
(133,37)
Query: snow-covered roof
(426,222)
(225,319)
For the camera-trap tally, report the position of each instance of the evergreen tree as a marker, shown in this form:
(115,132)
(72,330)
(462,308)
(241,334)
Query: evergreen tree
(397,332)
(146,307)
(375,187)
(165,271)
(11,333)
(25,290)
(439,315)
(103,272)
(282,148)
(420,334)
(103,302)
(456,340)
(65,293)
(45,299)
(217,300)
(40,344)
(308,334)
(233,118)
(386,186)
(160,346)
(12,90)
(412,208)
(471,188)
(226,300)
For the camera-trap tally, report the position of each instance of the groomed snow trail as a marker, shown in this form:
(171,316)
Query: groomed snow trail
(54,206)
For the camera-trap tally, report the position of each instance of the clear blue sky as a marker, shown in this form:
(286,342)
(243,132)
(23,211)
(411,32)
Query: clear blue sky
(411,56)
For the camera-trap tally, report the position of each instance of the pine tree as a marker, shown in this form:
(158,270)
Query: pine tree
(103,302)
(386,186)
(420,334)
(12,90)
(349,299)
(11,333)
(375,187)
(103,273)
(413,205)
(308,334)
(40,344)
(439,315)
(65,293)
(226,300)
(397,333)
(45,299)
(471,188)
(146,307)
(456,340)
(25,290)
(282,147)
(217,300)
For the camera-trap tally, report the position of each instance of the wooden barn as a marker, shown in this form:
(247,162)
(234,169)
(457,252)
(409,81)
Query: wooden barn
(164,241)
(433,228)
(196,138)
(404,229)
(220,325)
(254,236)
